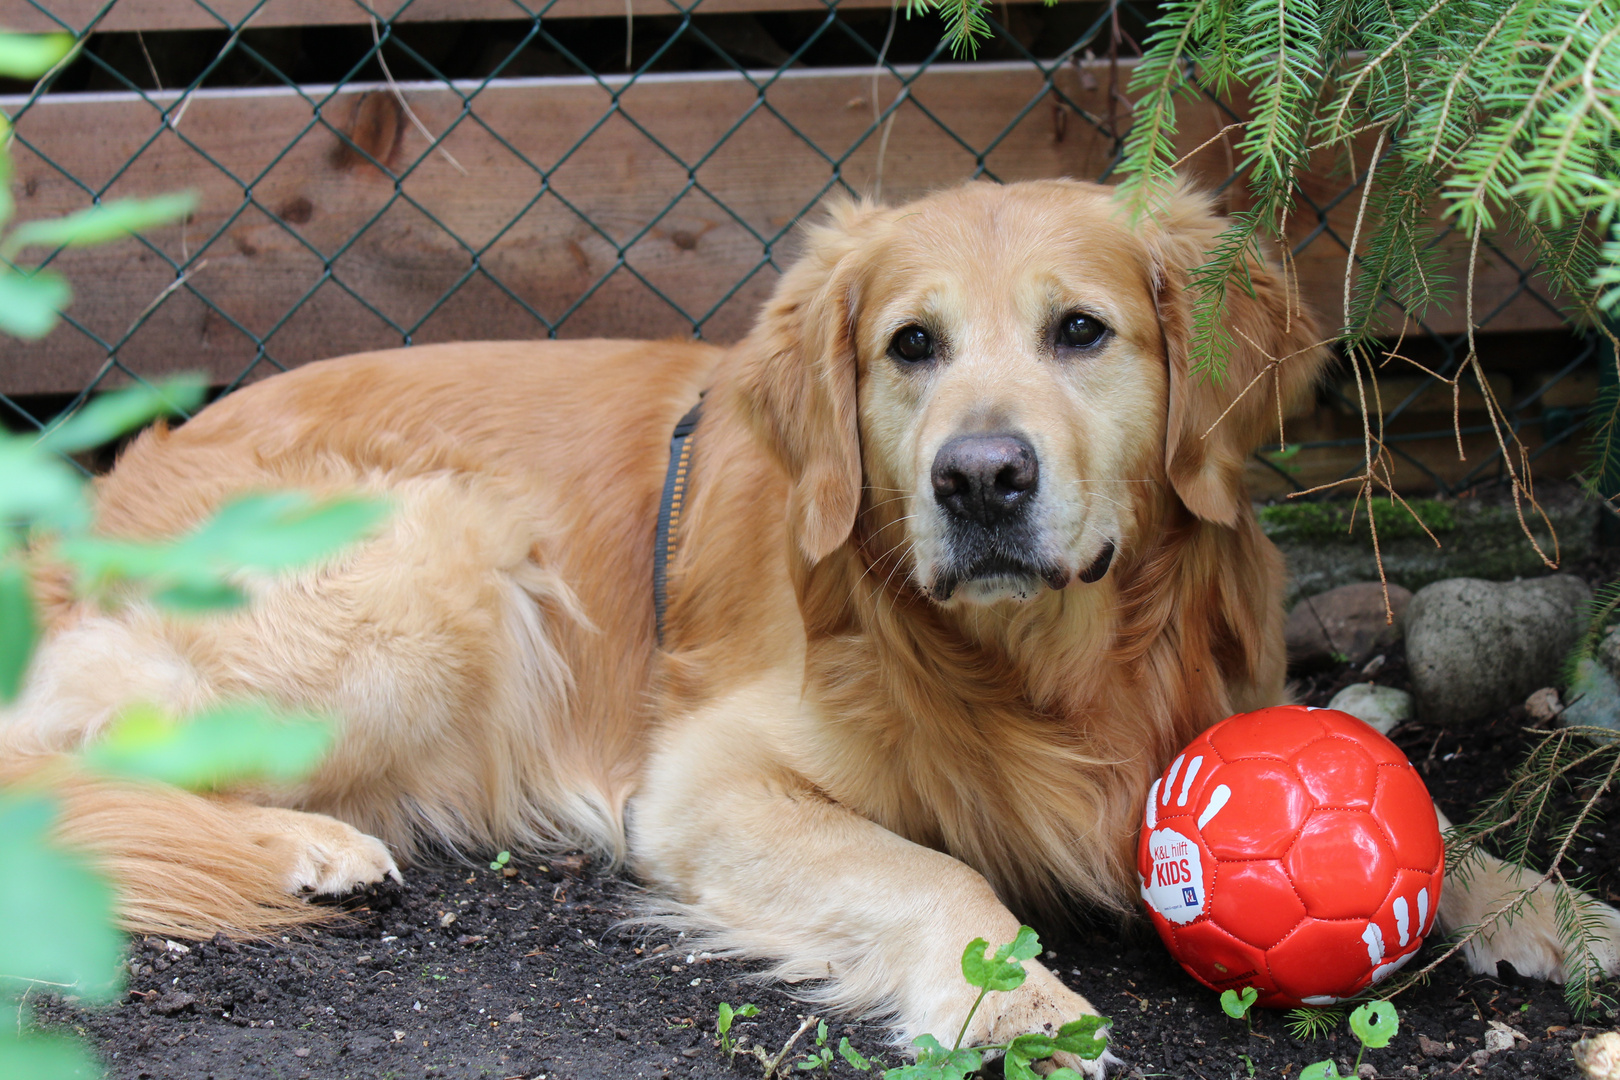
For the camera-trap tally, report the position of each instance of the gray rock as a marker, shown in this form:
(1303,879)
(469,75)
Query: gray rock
(1475,647)
(1380,707)
(1348,622)
(1608,652)
(1593,696)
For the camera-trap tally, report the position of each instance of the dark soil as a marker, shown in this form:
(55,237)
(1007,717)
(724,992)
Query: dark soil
(534,978)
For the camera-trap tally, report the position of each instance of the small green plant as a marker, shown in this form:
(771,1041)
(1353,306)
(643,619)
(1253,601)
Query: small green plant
(723,1022)
(1373,1025)
(501,860)
(1003,970)
(853,1056)
(821,1057)
(1238,1005)
(1310,1023)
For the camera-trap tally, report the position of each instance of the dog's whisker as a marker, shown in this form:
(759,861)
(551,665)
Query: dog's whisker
(898,563)
(885,502)
(905,539)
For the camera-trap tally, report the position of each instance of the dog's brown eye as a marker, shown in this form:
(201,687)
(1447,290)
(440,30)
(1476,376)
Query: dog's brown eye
(912,344)
(1080,331)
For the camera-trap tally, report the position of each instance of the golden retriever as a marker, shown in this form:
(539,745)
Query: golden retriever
(967,556)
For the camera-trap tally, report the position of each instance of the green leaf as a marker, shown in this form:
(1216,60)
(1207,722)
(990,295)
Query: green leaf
(259,532)
(30,304)
(723,1023)
(38,488)
(935,1062)
(46,1057)
(19,630)
(99,224)
(748,1010)
(1321,1070)
(821,1033)
(1375,1023)
(1064,1073)
(1017,1067)
(200,598)
(55,914)
(851,1055)
(1086,1037)
(28,56)
(1002,971)
(282,530)
(226,744)
(1238,1005)
(111,415)
(1022,1051)
(1033,1045)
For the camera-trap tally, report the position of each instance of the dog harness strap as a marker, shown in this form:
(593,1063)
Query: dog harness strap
(669,509)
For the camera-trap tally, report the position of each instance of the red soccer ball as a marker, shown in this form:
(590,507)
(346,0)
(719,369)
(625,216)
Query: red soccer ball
(1293,850)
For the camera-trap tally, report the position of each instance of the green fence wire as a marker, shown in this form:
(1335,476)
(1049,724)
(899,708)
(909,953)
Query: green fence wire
(1115,29)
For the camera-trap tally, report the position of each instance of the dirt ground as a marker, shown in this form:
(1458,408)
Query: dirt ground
(471,972)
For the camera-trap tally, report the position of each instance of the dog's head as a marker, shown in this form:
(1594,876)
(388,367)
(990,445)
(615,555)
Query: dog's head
(978,384)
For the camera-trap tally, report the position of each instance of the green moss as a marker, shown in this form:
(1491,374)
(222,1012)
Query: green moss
(1306,522)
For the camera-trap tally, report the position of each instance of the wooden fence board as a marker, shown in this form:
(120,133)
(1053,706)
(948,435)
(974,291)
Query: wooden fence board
(407,259)
(223,14)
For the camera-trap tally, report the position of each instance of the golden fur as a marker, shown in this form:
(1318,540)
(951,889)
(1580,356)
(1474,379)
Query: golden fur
(828,765)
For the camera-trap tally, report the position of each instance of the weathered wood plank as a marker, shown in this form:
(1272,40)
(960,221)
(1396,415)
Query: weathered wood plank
(225,14)
(571,206)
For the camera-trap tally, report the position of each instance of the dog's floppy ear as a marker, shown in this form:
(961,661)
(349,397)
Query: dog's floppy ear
(1206,467)
(799,380)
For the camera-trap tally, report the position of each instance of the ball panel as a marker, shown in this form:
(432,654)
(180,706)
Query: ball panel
(1321,959)
(1267,805)
(1338,772)
(1278,732)
(1404,808)
(1378,747)
(1255,902)
(1217,959)
(1341,865)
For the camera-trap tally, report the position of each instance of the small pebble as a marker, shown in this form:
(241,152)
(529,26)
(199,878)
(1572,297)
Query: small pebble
(1543,705)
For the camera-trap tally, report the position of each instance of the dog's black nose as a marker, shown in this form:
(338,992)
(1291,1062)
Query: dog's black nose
(985,478)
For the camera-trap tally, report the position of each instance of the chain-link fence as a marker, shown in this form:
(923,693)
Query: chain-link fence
(493,168)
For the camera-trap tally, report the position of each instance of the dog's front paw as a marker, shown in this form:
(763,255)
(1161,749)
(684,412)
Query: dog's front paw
(320,856)
(1530,940)
(1041,1006)
(1532,944)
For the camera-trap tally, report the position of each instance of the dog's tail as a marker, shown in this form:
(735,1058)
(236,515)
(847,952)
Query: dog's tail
(183,865)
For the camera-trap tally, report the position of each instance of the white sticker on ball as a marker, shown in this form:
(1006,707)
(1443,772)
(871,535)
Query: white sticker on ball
(1170,781)
(1217,801)
(1374,937)
(1175,886)
(1384,971)
(1187,781)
